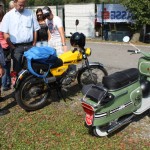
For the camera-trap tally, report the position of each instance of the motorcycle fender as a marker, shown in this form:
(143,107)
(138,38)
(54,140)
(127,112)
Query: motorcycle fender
(92,64)
(22,75)
(96,64)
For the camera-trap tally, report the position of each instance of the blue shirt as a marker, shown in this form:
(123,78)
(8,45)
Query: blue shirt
(20,26)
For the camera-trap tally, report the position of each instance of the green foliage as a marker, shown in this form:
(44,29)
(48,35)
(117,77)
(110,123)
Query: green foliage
(140,9)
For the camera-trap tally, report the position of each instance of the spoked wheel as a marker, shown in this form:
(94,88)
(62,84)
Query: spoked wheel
(99,131)
(32,93)
(93,75)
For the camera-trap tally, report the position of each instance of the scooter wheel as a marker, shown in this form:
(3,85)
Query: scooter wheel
(99,132)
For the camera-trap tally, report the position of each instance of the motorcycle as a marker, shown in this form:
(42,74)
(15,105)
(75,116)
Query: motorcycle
(32,92)
(121,96)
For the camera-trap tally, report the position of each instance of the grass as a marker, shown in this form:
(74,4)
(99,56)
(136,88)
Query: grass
(60,126)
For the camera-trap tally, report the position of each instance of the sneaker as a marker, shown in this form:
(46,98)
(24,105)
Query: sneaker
(4,112)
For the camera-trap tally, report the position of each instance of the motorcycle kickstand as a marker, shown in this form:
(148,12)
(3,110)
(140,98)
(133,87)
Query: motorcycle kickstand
(59,93)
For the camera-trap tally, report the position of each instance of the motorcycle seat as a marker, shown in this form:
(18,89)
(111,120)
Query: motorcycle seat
(37,65)
(120,79)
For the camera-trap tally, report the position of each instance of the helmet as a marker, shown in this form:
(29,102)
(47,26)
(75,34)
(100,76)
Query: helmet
(78,39)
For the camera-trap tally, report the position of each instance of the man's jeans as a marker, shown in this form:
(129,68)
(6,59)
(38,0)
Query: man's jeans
(17,55)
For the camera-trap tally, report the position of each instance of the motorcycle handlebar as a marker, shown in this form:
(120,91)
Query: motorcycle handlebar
(131,51)
(134,51)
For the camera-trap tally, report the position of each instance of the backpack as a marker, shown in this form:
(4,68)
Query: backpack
(45,55)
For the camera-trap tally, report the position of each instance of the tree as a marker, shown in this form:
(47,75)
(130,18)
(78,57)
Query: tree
(141,15)
(140,10)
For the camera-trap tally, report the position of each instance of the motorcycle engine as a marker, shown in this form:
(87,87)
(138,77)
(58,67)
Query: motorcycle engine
(70,75)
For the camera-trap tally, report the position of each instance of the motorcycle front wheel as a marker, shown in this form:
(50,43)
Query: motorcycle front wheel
(32,93)
(92,75)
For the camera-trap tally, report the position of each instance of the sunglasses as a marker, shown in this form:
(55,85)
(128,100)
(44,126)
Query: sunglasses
(46,15)
(39,15)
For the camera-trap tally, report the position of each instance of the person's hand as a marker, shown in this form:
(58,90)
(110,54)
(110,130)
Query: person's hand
(34,44)
(65,48)
(12,47)
(1,72)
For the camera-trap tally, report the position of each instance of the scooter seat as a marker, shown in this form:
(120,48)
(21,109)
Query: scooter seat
(120,79)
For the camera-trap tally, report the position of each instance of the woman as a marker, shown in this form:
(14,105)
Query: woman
(6,79)
(54,23)
(43,34)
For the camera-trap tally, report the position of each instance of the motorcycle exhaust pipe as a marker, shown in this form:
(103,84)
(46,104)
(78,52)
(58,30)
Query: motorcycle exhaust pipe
(120,124)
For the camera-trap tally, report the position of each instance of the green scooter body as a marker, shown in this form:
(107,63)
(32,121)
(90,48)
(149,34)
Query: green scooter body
(125,101)
(144,67)
(120,102)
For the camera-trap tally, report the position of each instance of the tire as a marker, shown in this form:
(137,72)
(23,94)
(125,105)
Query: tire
(84,77)
(32,93)
(99,132)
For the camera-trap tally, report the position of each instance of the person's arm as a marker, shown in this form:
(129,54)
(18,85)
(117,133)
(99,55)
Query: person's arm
(49,34)
(7,38)
(63,40)
(36,27)
(34,38)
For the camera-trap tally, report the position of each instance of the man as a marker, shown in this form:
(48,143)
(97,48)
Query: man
(2,63)
(20,27)
(55,26)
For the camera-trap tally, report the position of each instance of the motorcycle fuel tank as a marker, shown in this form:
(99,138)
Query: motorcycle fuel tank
(73,57)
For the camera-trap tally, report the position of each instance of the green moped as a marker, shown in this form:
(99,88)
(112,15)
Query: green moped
(122,95)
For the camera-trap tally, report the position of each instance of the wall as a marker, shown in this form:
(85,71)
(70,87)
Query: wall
(85,13)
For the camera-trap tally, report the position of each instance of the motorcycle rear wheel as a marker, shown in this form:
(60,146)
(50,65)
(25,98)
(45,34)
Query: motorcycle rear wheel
(99,132)
(92,76)
(32,93)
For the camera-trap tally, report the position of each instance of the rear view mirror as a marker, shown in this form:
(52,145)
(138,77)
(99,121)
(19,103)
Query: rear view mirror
(76,22)
(126,39)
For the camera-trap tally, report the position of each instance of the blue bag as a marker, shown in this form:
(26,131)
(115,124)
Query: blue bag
(45,55)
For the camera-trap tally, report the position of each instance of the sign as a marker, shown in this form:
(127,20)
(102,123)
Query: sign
(113,13)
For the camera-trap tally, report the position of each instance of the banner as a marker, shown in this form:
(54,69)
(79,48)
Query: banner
(113,13)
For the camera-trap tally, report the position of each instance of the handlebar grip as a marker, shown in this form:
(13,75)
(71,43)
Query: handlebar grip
(133,51)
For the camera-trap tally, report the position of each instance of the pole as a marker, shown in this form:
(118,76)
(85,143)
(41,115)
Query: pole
(57,7)
(57,10)
(102,19)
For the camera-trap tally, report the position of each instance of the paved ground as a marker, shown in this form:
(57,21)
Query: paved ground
(115,55)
